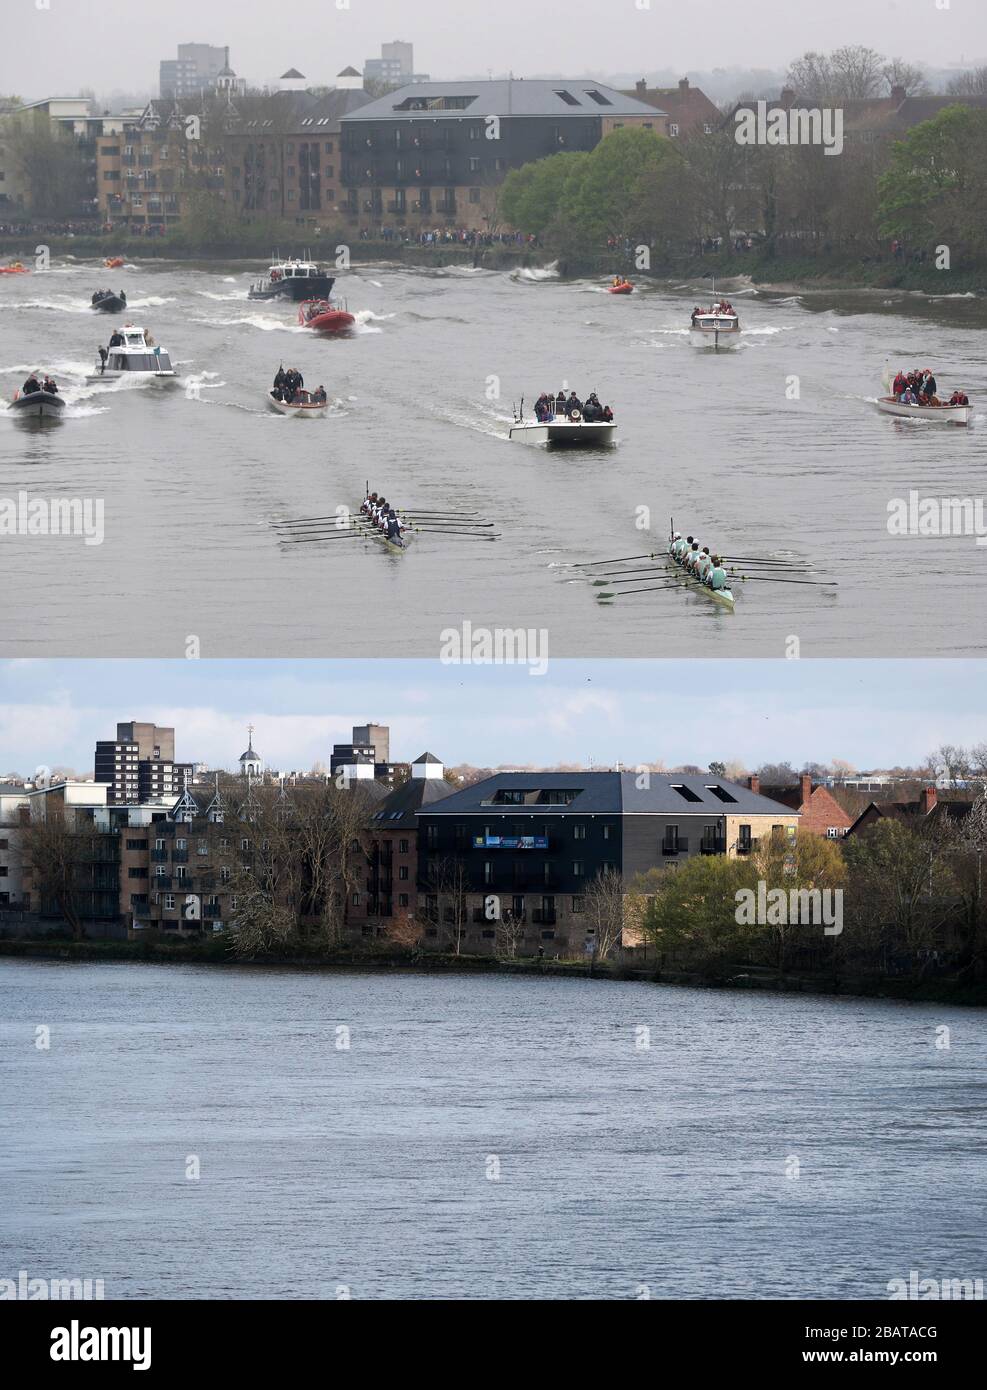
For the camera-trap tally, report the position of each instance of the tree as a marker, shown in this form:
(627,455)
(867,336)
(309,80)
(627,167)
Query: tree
(851,73)
(531,197)
(935,189)
(897,73)
(617,186)
(901,892)
(717,769)
(778,775)
(969,84)
(49,163)
(448,880)
(603,904)
(54,851)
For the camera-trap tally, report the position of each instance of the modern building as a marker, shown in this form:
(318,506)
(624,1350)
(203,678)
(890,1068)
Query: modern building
(395,67)
(536,842)
(689,109)
(139,765)
(367,757)
(79,118)
(194,71)
(438,151)
(819,811)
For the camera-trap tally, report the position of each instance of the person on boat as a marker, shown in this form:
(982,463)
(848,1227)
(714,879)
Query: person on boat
(900,384)
(280,376)
(369,502)
(319,396)
(931,385)
(542,409)
(607,414)
(908,397)
(676,536)
(31,386)
(116,338)
(573,404)
(50,385)
(692,557)
(122,297)
(394,528)
(704,564)
(959,398)
(681,547)
(717,576)
(592,409)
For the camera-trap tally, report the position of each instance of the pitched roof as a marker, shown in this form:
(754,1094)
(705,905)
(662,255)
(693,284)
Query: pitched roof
(291,73)
(614,793)
(526,96)
(429,758)
(399,809)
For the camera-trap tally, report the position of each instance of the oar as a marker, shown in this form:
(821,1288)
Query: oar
(592,564)
(645,589)
(765,579)
(477,525)
(433,531)
(327,536)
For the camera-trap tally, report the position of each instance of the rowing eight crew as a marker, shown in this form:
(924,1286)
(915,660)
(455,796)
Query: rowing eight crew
(382,515)
(702,565)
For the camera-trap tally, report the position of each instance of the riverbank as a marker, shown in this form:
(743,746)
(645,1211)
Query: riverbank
(788,274)
(216,952)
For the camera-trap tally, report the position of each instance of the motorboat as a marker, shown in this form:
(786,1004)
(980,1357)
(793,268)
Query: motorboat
(294,279)
(325,315)
(109,303)
(114,262)
(39,405)
(15,268)
(718,327)
(944,414)
(621,287)
(571,430)
(302,408)
(134,354)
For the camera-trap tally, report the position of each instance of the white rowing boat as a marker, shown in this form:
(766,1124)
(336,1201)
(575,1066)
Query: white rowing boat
(301,408)
(944,414)
(724,596)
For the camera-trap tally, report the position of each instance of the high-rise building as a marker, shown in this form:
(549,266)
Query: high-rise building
(139,764)
(368,756)
(195,70)
(395,66)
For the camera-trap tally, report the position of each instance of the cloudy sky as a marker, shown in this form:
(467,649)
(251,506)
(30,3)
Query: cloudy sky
(110,44)
(871,713)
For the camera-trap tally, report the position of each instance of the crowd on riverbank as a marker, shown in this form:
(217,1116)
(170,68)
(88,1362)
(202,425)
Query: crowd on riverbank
(448,236)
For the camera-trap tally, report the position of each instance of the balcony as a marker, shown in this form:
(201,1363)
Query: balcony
(179,856)
(675,846)
(713,846)
(159,856)
(544,917)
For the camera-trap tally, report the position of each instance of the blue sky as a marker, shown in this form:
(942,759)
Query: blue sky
(870,713)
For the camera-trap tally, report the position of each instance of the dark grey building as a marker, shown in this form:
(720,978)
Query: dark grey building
(439,150)
(537,840)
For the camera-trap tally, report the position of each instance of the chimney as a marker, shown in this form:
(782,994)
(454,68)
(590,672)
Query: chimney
(684,86)
(754,782)
(787,97)
(928,800)
(641,87)
(805,782)
(898,95)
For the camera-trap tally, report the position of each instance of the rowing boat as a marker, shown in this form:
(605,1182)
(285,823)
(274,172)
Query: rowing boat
(724,596)
(364,524)
(944,414)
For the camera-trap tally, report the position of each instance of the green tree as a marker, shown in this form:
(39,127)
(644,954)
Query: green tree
(49,163)
(531,196)
(935,190)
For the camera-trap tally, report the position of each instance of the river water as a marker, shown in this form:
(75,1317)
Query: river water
(192,478)
(480,1137)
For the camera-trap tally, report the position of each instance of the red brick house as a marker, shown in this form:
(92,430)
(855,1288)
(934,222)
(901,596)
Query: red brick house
(928,807)
(820,812)
(689,110)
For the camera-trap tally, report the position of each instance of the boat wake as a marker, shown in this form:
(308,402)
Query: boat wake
(260,321)
(153,301)
(533,275)
(367,320)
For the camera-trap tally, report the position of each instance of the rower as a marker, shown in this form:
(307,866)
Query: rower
(394,527)
(369,502)
(676,536)
(681,548)
(717,577)
(704,564)
(692,557)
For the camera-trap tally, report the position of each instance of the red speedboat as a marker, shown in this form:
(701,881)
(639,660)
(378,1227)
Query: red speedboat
(324,316)
(624,287)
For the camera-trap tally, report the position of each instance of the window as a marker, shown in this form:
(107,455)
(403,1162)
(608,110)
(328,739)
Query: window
(578,905)
(579,832)
(137,873)
(328,147)
(403,900)
(355,899)
(568,98)
(673,130)
(181,844)
(160,871)
(474,163)
(169,902)
(244,844)
(224,875)
(744,840)
(224,843)
(578,869)
(599,98)
(487,872)
(607,831)
(403,873)
(160,844)
(721,794)
(181,871)
(686,793)
(403,846)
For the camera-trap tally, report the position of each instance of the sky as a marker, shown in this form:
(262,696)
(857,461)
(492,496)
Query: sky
(870,713)
(54,47)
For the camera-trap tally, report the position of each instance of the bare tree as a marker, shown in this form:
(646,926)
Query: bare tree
(54,853)
(510,934)
(968,84)
(604,908)
(448,881)
(897,73)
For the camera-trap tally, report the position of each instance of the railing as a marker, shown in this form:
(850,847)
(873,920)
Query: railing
(677,846)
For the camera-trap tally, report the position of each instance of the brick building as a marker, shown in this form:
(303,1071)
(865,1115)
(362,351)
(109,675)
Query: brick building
(689,109)
(819,811)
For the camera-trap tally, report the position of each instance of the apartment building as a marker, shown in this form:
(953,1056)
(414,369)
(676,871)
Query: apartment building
(139,764)
(438,151)
(535,841)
